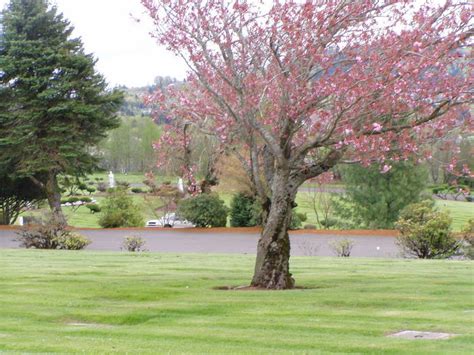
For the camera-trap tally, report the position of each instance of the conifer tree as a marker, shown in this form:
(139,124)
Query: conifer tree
(54,106)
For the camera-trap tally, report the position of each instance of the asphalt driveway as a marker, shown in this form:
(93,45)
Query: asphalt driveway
(185,241)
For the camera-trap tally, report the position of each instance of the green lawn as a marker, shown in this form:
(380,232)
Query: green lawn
(132,178)
(59,301)
(459,211)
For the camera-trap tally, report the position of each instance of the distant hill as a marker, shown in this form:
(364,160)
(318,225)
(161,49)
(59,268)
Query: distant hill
(134,98)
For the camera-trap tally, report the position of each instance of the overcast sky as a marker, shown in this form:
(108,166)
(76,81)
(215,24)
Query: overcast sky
(126,53)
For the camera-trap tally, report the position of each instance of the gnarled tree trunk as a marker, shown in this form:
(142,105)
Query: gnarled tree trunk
(273,252)
(53,195)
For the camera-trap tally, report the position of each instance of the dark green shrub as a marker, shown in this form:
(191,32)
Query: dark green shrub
(94,208)
(205,210)
(242,211)
(136,190)
(328,222)
(73,199)
(297,220)
(134,244)
(85,199)
(90,190)
(119,210)
(425,232)
(309,226)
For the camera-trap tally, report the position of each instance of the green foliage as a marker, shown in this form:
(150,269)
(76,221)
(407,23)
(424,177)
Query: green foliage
(16,193)
(119,210)
(94,208)
(204,210)
(468,239)
(72,241)
(136,190)
(134,244)
(373,199)
(130,146)
(425,232)
(242,210)
(90,190)
(297,220)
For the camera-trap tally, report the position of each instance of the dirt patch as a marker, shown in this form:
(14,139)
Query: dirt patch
(417,335)
(254,288)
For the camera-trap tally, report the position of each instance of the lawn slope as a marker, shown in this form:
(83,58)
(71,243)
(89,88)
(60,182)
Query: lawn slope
(59,301)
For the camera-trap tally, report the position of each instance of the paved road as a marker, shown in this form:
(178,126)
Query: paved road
(176,241)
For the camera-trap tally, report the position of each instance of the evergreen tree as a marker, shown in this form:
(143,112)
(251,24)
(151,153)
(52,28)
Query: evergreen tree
(54,107)
(374,199)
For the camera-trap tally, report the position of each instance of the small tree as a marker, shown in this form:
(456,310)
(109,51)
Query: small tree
(119,210)
(425,232)
(242,210)
(296,87)
(204,210)
(374,198)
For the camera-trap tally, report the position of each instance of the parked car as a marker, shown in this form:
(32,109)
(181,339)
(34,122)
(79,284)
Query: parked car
(170,220)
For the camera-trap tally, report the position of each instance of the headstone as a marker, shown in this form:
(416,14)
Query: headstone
(180,185)
(111,180)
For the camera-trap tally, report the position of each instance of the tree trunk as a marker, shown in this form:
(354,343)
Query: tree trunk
(53,195)
(273,251)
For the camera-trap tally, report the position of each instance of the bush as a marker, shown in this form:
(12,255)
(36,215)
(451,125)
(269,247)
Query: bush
(51,234)
(43,235)
(309,226)
(468,239)
(297,220)
(119,210)
(133,244)
(90,190)
(94,208)
(425,232)
(342,247)
(72,241)
(205,210)
(328,222)
(123,184)
(242,210)
(136,190)
(102,186)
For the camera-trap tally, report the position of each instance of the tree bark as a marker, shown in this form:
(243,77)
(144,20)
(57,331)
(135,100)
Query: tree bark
(53,195)
(273,252)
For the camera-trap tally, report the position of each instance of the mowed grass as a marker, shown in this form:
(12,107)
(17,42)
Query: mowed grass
(96,302)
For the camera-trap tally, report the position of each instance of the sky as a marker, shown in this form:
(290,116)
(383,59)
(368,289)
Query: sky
(126,53)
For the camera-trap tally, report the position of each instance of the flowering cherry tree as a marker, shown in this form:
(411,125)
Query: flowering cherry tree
(295,88)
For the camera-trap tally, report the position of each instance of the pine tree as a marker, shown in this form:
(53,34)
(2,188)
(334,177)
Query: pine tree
(374,199)
(54,107)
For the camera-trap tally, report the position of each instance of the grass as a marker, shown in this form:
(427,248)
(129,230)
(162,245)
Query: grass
(131,178)
(459,211)
(58,301)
